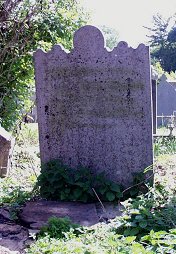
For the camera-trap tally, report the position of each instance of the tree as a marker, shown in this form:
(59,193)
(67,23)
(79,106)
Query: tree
(111,36)
(163,42)
(24,26)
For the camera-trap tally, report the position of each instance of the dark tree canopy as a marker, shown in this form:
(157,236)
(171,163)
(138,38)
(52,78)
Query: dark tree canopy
(162,40)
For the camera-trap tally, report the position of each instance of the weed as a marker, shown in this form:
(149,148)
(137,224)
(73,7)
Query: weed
(12,195)
(104,239)
(152,211)
(58,182)
(164,146)
(56,227)
(28,135)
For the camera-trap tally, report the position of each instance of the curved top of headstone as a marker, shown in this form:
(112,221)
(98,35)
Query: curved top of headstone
(88,38)
(88,41)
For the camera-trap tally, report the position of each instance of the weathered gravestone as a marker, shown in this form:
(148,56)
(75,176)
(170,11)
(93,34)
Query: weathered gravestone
(94,106)
(154,77)
(166,99)
(6,147)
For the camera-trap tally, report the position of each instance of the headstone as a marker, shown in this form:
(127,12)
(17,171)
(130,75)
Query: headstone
(6,147)
(154,103)
(94,106)
(155,77)
(166,100)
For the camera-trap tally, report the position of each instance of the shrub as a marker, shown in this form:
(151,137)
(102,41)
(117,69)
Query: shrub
(59,182)
(56,227)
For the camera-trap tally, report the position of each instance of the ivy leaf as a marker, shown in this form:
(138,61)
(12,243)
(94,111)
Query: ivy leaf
(77,193)
(110,196)
(102,190)
(134,231)
(131,232)
(63,196)
(173,231)
(114,187)
(139,217)
(143,224)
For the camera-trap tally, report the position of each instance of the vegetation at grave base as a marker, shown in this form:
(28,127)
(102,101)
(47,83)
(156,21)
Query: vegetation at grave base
(147,226)
(56,227)
(17,188)
(13,195)
(59,182)
(24,27)
(104,240)
(153,211)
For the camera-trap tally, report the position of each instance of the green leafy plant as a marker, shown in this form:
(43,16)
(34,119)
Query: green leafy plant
(56,227)
(161,241)
(59,182)
(13,196)
(152,211)
(164,146)
(103,239)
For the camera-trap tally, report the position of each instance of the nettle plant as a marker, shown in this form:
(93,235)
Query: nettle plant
(59,182)
(57,227)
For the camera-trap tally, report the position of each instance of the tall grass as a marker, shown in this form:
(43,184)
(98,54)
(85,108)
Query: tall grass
(163,145)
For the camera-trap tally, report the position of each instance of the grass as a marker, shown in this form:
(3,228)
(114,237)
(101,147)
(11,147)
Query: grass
(148,223)
(164,145)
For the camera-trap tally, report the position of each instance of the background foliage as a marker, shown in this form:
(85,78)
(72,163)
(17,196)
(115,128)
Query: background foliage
(162,39)
(25,26)
(111,36)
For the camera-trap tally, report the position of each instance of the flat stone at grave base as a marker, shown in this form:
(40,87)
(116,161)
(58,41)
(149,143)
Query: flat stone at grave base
(35,214)
(109,210)
(12,238)
(4,250)
(4,214)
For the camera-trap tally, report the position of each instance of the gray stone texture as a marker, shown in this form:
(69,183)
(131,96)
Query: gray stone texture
(154,103)
(155,77)
(166,99)
(37,213)
(6,147)
(94,106)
